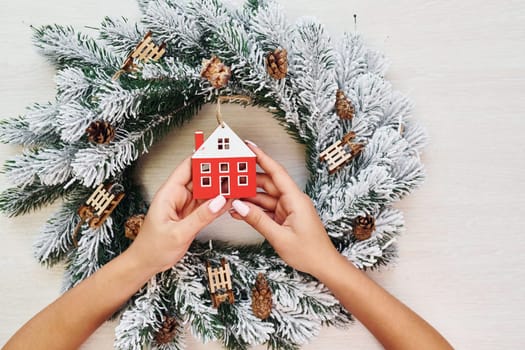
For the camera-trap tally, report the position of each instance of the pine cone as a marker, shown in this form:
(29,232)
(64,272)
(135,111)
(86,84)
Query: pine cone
(100,132)
(168,331)
(133,225)
(217,73)
(261,298)
(343,106)
(277,63)
(363,227)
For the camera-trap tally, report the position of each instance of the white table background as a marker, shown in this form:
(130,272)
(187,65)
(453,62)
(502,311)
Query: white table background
(462,63)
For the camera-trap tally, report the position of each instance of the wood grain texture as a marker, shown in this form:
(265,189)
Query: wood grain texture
(461,257)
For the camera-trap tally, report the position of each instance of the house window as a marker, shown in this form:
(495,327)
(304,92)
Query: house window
(205,168)
(224,167)
(223,143)
(206,181)
(242,167)
(243,180)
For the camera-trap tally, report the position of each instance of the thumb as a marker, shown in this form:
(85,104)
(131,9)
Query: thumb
(203,215)
(256,218)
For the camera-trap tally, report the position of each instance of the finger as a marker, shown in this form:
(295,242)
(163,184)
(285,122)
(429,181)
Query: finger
(265,182)
(256,218)
(181,176)
(237,216)
(264,201)
(280,177)
(204,215)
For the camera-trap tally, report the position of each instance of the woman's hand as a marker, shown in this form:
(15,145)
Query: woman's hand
(173,220)
(286,217)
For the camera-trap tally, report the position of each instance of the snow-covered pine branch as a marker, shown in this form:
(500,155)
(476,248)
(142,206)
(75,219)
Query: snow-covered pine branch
(55,240)
(47,166)
(41,117)
(141,319)
(171,24)
(96,163)
(312,77)
(85,259)
(17,201)
(269,27)
(65,47)
(187,295)
(72,84)
(17,131)
(120,34)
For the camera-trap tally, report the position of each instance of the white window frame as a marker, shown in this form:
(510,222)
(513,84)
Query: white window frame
(224,143)
(202,181)
(239,167)
(239,180)
(209,168)
(226,171)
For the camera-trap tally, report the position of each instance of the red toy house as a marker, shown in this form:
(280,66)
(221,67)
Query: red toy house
(223,165)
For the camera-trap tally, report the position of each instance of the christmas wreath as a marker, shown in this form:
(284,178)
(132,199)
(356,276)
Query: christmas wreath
(122,92)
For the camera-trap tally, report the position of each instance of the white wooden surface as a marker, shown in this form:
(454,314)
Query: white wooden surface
(462,63)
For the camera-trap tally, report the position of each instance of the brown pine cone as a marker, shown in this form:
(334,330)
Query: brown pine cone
(133,225)
(277,63)
(217,73)
(363,227)
(168,331)
(100,132)
(343,106)
(261,298)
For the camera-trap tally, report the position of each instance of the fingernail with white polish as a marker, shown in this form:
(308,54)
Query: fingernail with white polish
(251,143)
(241,208)
(217,203)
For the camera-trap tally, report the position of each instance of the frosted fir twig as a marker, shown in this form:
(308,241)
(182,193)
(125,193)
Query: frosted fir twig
(85,259)
(120,34)
(64,46)
(313,77)
(140,321)
(171,24)
(16,131)
(41,117)
(95,164)
(269,27)
(55,240)
(117,104)
(73,119)
(72,84)
(51,166)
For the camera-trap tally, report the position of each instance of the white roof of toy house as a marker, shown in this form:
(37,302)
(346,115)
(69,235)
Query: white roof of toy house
(209,148)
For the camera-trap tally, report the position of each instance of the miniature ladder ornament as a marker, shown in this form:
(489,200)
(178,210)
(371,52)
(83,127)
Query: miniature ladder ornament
(146,50)
(220,283)
(341,152)
(98,207)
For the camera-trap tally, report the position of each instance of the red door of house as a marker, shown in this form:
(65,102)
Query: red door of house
(225,185)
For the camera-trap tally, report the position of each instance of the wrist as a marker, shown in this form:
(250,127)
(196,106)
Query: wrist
(333,266)
(133,262)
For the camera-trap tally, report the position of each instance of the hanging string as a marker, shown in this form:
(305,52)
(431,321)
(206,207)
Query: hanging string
(231,98)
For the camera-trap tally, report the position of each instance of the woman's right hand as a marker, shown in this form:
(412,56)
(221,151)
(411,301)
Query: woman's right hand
(286,217)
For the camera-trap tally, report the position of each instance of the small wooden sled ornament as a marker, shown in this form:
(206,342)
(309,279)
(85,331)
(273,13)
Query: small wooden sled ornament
(144,51)
(220,283)
(98,207)
(341,152)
